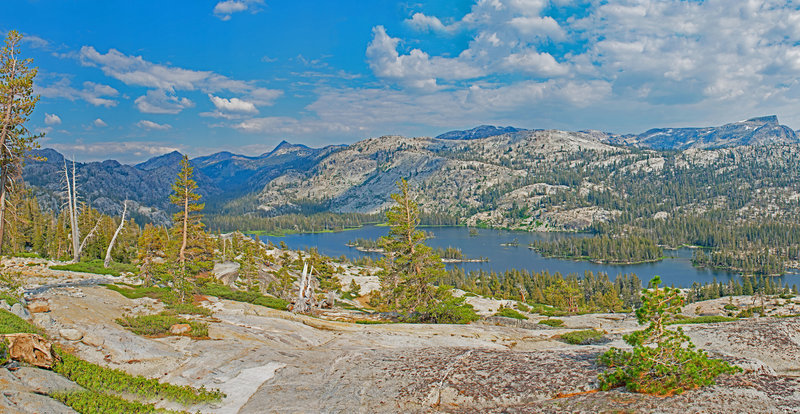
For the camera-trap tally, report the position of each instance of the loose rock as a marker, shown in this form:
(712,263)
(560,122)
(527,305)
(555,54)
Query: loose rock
(71,334)
(38,307)
(19,310)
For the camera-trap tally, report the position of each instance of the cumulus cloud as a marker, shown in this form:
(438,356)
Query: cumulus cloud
(225,9)
(233,105)
(150,125)
(416,69)
(157,101)
(94,93)
(425,23)
(52,119)
(99,123)
(610,60)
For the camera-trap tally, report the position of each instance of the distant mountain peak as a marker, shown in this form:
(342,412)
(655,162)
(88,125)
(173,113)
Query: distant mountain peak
(760,130)
(766,120)
(167,159)
(482,131)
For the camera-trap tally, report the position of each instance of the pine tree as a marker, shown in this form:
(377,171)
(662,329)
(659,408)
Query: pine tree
(187,228)
(411,267)
(663,361)
(17,102)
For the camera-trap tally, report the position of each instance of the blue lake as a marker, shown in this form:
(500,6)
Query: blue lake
(677,269)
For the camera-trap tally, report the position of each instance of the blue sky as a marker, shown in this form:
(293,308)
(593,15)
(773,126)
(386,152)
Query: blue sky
(130,80)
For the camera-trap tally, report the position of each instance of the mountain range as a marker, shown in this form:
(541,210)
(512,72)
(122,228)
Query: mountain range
(457,171)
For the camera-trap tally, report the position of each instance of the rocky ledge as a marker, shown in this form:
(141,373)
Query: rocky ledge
(272,361)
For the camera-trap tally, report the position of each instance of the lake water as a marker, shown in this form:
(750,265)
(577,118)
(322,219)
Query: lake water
(677,269)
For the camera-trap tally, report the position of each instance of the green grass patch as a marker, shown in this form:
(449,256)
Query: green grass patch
(90,402)
(27,255)
(523,307)
(136,292)
(10,323)
(546,310)
(9,298)
(584,337)
(702,319)
(107,380)
(96,267)
(371,322)
(552,322)
(510,313)
(225,292)
(730,307)
(159,324)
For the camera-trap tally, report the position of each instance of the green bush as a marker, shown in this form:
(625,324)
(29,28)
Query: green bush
(510,313)
(552,322)
(3,351)
(523,307)
(187,309)
(663,361)
(581,337)
(159,324)
(102,380)
(730,306)
(96,266)
(701,319)
(449,309)
(10,323)
(546,310)
(749,312)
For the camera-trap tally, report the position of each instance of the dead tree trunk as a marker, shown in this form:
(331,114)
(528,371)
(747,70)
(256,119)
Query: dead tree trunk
(107,261)
(305,298)
(73,213)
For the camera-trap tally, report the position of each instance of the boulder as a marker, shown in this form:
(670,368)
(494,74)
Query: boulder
(227,272)
(180,329)
(4,305)
(19,310)
(39,307)
(71,334)
(30,348)
(45,320)
(92,339)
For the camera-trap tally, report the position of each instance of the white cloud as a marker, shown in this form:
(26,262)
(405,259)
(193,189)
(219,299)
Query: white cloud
(233,105)
(99,123)
(425,23)
(166,80)
(225,9)
(415,69)
(93,93)
(654,59)
(150,125)
(157,101)
(122,151)
(52,119)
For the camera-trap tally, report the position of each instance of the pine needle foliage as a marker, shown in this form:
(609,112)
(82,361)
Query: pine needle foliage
(663,361)
(410,269)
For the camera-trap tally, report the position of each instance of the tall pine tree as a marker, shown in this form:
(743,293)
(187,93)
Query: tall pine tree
(17,102)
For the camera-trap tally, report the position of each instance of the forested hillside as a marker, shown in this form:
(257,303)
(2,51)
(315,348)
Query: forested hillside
(740,201)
